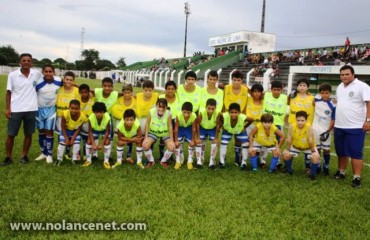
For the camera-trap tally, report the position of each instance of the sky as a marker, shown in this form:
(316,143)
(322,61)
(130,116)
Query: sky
(142,30)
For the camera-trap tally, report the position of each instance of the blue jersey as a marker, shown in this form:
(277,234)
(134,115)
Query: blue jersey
(47,92)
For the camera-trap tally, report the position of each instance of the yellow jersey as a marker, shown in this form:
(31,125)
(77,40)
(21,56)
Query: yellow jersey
(86,107)
(142,106)
(64,98)
(119,107)
(254,111)
(300,137)
(72,124)
(266,140)
(230,97)
(302,104)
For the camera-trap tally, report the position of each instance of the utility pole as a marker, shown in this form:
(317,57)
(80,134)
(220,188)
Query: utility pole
(82,41)
(263,16)
(187,13)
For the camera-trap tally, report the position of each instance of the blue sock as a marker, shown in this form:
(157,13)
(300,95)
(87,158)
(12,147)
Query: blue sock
(84,140)
(129,151)
(288,164)
(326,160)
(273,163)
(161,150)
(237,154)
(314,167)
(49,145)
(254,162)
(42,142)
(307,161)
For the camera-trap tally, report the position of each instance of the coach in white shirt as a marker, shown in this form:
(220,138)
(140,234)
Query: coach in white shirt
(352,120)
(21,106)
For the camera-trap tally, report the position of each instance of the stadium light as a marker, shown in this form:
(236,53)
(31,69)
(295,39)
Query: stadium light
(187,13)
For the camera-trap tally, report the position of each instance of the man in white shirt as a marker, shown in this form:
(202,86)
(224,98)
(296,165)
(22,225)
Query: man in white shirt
(21,106)
(352,120)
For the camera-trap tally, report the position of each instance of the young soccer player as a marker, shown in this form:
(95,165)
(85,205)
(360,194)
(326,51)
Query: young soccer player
(323,123)
(208,126)
(127,101)
(212,91)
(190,92)
(185,128)
(159,125)
(236,92)
(254,107)
(301,100)
(145,101)
(129,131)
(234,124)
(66,93)
(71,124)
(47,88)
(99,125)
(301,139)
(263,135)
(87,101)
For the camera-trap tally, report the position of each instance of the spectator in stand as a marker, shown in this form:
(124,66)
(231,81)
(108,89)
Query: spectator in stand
(347,43)
(318,62)
(366,56)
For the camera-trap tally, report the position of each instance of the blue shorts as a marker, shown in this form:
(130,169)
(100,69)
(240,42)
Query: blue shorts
(186,133)
(203,133)
(15,122)
(241,137)
(69,135)
(349,142)
(96,134)
(46,118)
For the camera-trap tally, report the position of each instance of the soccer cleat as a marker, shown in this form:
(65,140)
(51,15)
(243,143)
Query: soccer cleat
(41,157)
(177,166)
(263,165)
(140,165)
(212,167)
(318,171)
(339,175)
(356,183)
(326,171)
(106,165)
(49,159)
(199,166)
(149,165)
(165,164)
(308,171)
(94,158)
(312,177)
(254,169)
(86,164)
(24,160)
(221,165)
(117,164)
(236,163)
(243,167)
(190,166)
(6,162)
(272,171)
(129,160)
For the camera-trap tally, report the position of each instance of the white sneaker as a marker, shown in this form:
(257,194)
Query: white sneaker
(49,159)
(41,157)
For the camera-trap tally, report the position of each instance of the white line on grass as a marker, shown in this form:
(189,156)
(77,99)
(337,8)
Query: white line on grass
(335,155)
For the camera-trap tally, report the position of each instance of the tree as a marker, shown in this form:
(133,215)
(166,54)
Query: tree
(104,64)
(90,58)
(45,61)
(121,62)
(80,65)
(60,61)
(9,55)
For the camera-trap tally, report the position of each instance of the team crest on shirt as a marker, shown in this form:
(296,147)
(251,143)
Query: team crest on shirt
(34,83)
(351,94)
(327,112)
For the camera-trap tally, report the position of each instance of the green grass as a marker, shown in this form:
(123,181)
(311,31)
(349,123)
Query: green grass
(199,204)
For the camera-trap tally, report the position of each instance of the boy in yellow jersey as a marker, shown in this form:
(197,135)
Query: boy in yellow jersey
(234,124)
(71,124)
(99,125)
(127,101)
(159,125)
(129,131)
(66,93)
(301,139)
(87,101)
(263,136)
(236,92)
(301,100)
(212,91)
(207,124)
(190,92)
(145,101)
(185,128)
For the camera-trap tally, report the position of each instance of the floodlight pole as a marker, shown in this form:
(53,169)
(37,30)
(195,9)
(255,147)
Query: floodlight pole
(187,13)
(263,16)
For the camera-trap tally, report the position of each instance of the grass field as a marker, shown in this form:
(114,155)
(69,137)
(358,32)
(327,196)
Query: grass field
(198,204)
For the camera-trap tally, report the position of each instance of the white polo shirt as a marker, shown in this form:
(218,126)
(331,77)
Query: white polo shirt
(351,104)
(23,97)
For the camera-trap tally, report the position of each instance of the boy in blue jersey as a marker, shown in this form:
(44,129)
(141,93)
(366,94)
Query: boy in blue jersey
(47,90)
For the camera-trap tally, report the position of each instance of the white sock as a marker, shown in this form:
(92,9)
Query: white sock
(76,151)
(213,152)
(107,150)
(244,152)
(177,154)
(61,149)
(119,152)
(203,150)
(88,152)
(139,154)
(191,154)
(149,155)
(223,149)
(95,153)
(166,156)
(198,153)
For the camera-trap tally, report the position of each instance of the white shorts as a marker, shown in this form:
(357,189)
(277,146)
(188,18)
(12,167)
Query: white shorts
(321,145)
(295,152)
(58,124)
(142,124)
(259,148)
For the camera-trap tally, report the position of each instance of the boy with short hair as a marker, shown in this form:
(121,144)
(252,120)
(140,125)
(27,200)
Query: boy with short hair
(234,124)
(71,124)
(129,132)
(208,126)
(185,128)
(212,91)
(145,101)
(190,91)
(99,125)
(301,139)
(47,89)
(323,123)
(87,101)
(263,135)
